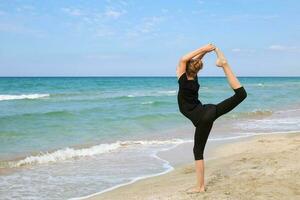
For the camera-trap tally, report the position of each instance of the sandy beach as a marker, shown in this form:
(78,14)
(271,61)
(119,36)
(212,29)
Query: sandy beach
(260,167)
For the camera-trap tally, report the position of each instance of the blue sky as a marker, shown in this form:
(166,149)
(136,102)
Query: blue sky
(146,37)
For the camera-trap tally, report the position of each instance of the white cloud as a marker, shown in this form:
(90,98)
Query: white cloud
(243,51)
(147,28)
(123,3)
(89,15)
(164,10)
(97,23)
(102,56)
(236,50)
(73,11)
(246,17)
(115,8)
(149,24)
(114,14)
(278,47)
(25,8)
(20,29)
(104,32)
(120,2)
(200,1)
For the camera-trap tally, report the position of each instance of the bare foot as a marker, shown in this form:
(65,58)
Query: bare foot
(195,190)
(221,60)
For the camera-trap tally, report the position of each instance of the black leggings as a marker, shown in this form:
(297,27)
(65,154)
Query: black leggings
(213,111)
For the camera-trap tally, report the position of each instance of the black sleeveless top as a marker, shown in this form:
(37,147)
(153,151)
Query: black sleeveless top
(188,102)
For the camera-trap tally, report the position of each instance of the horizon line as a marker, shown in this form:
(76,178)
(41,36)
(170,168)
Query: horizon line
(142,76)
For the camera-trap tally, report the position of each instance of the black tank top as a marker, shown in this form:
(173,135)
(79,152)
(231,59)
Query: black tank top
(188,94)
(188,102)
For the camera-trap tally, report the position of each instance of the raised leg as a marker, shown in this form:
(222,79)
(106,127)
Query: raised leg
(230,103)
(239,91)
(223,63)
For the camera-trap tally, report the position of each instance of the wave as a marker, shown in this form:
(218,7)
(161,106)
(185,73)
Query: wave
(288,110)
(169,167)
(22,96)
(152,117)
(156,102)
(168,92)
(36,115)
(258,112)
(72,153)
(81,96)
(147,102)
(253,114)
(150,94)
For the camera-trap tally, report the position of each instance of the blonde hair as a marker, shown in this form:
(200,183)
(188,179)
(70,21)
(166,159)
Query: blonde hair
(193,66)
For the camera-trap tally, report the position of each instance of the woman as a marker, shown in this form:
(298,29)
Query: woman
(203,115)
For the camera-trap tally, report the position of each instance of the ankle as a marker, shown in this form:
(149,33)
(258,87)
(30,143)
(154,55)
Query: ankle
(225,65)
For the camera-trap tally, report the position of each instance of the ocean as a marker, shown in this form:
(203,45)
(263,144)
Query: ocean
(70,137)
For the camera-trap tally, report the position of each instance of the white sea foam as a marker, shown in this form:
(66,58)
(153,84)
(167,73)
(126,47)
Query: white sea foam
(71,153)
(155,93)
(169,168)
(148,102)
(22,96)
(166,165)
(168,92)
(288,110)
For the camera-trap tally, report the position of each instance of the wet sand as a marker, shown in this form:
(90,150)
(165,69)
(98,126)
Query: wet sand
(260,167)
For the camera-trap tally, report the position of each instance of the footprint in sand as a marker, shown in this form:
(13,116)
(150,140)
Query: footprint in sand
(188,170)
(264,141)
(217,176)
(243,159)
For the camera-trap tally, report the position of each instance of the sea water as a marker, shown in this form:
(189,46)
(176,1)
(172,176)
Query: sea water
(63,137)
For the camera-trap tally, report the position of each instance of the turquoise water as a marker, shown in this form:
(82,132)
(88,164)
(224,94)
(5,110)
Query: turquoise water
(53,124)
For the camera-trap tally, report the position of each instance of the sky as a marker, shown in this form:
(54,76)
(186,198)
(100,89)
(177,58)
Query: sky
(147,37)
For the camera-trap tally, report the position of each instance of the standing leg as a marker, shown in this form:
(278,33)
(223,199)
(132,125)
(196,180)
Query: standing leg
(240,92)
(199,167)
(200,138)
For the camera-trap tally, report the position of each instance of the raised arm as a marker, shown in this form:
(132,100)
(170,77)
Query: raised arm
(198,53)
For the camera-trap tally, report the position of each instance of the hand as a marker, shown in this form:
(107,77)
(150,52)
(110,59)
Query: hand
(209,47)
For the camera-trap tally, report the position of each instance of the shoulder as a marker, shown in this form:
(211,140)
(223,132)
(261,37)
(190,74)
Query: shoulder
(181,68)
(179,74)
(181,77)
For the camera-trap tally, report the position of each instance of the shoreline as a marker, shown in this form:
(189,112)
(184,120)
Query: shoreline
(114,192)
(121,143)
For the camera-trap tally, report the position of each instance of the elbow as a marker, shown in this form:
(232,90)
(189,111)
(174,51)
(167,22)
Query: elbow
(183,59)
